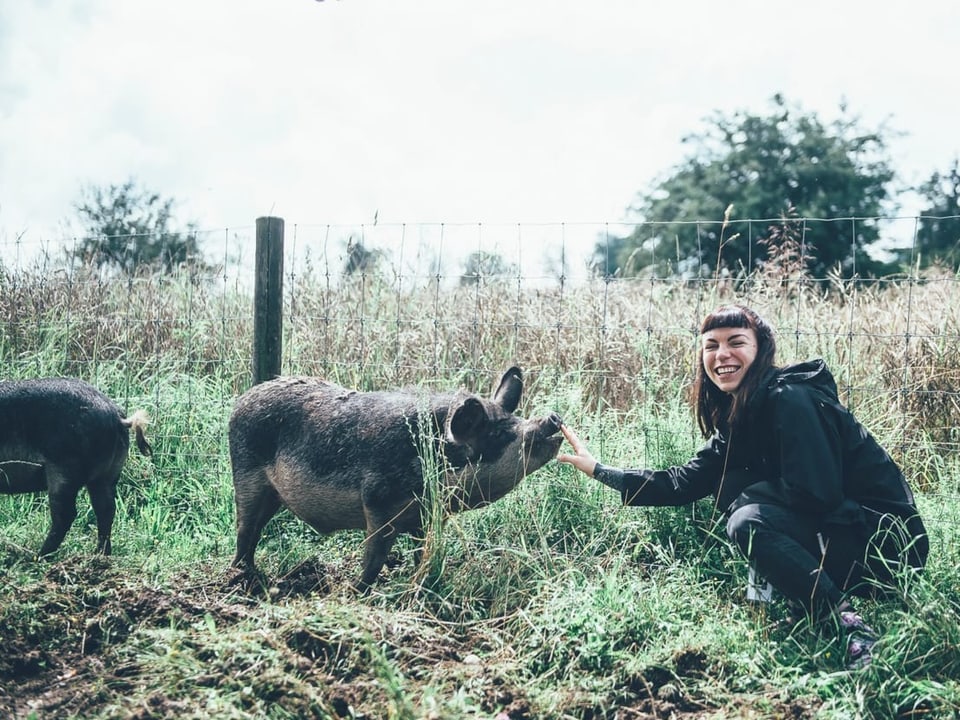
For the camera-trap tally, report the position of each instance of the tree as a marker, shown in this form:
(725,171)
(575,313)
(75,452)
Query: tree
(938,229)
(764,166)
(360,259)
(127,227)
(483,265)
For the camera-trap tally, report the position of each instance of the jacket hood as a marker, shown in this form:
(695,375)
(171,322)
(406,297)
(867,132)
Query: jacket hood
(814,372)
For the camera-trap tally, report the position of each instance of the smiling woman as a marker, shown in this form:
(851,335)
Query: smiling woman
(810,498)
(727,355)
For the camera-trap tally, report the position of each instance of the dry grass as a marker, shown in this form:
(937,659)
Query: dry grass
(551,603)
(893,346)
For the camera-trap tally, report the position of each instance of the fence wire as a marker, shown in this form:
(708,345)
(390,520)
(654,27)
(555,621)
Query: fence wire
(440,305)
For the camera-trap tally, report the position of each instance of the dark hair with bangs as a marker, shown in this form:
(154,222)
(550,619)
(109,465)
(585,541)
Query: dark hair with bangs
(713,405)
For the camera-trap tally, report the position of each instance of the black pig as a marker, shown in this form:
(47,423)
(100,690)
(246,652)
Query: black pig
(341,459)
(61,434)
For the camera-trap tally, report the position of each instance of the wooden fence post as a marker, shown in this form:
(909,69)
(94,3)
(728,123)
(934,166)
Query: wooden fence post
(268,300)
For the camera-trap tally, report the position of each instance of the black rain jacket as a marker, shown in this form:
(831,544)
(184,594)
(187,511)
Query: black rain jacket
(798,447)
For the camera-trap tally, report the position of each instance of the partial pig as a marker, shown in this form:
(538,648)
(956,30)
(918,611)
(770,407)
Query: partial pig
(59,435)
(341,459)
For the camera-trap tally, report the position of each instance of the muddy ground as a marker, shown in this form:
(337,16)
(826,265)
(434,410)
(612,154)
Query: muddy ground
(86,641)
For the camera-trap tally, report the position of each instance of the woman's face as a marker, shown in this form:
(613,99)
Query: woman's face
(727,355)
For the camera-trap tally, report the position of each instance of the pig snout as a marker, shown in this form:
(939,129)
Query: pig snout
(554,421)
(545,434)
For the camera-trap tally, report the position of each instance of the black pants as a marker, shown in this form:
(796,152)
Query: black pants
(817,565)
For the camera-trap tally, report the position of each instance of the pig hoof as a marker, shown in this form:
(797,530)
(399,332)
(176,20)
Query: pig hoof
(361,588)
(249,580)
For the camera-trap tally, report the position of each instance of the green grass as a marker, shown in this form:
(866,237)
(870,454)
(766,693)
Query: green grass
(570,604)
(554,602)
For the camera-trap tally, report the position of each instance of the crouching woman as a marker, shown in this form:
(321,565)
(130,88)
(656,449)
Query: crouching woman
(811,499)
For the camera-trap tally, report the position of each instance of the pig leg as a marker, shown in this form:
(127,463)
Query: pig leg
(420,539)
(381,535)
(104,501)
(254,510)
(63,509)
(421,565)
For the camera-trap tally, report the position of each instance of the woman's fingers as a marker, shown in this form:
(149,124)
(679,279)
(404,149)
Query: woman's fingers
(572,438)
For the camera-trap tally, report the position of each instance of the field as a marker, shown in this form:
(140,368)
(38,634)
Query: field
(555,602)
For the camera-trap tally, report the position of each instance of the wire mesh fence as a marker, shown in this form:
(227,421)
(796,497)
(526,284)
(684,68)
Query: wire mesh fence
(441,305)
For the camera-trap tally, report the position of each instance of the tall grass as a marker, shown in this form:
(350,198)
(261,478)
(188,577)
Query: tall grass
(554,602)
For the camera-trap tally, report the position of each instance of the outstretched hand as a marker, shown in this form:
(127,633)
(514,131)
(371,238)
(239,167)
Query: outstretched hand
(581,458)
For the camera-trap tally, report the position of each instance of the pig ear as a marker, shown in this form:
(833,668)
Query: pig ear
(508,394)
(466,419)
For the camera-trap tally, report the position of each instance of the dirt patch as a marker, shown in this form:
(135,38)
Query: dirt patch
(58,633)
(86,640)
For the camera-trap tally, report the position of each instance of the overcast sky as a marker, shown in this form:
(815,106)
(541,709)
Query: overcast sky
(502,111)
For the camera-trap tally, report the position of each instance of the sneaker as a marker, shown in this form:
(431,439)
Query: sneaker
(860,640)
